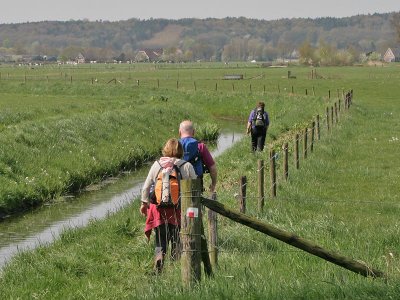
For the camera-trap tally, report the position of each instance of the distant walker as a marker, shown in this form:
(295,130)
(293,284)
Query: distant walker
(257,126)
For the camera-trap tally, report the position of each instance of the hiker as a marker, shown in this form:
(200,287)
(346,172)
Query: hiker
(257,126)
(164,220)
(197,154)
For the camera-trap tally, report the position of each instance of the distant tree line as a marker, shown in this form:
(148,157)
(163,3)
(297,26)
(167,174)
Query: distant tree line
(324,41)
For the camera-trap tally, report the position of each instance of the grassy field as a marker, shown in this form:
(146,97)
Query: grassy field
(344,197)
(58,135)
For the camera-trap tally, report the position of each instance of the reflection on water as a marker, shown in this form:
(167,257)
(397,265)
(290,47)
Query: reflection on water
(45,224)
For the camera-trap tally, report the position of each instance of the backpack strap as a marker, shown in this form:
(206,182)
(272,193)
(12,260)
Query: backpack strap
(181,163)
(177,168)
(155,178)
(254,114)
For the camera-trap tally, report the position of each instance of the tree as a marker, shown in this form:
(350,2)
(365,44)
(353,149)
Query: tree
(326,54)
(396,24)
(254,49)
(128,50)
(71,52)
(6,43)
(307,53)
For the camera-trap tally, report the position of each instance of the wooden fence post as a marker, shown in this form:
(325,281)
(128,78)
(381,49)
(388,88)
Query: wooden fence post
(260,184)
(318,129)
(327,119)
(305,143)
(336,113)
(216,86)
(332,116)
(242,194)
(286,161)
(191,232)
(351,96)
(312,136)
(272,161)
(213,234)
(194,83)
(296,151)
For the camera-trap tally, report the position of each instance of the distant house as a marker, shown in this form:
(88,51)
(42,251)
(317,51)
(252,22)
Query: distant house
(80,59)
(149,55)
(392,55)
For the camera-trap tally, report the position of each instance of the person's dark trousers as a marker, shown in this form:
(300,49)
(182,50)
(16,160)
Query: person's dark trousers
(258,138)
(165,234)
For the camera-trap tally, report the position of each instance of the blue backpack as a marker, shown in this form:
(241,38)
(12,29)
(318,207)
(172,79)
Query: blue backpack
(191,154)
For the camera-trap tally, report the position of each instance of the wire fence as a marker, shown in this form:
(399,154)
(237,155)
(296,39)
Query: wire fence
(289,151)
(93,77)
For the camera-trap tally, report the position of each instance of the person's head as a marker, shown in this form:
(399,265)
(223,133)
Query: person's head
(173,148)
(186,129)
(261,104)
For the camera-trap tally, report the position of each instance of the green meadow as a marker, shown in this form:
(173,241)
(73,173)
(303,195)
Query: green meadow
(59,136)
(64,128)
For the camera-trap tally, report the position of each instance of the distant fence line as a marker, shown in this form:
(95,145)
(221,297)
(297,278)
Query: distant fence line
(206,84)
(279,152)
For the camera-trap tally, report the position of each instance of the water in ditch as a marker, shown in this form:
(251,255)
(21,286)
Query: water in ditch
(45,224)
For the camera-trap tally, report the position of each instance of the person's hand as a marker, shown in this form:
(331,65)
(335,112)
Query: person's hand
(143,208)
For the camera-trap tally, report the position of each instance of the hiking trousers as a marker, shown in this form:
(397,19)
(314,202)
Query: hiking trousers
(165,234)
(258,138)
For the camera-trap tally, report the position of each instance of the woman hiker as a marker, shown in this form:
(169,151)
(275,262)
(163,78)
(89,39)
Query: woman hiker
(165,220)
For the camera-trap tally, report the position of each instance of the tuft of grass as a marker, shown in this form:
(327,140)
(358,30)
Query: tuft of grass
(208,132)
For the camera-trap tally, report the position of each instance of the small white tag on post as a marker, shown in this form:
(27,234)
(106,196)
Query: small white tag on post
(192,212)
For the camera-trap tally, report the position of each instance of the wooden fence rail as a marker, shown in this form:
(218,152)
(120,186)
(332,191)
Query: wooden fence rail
(293,240)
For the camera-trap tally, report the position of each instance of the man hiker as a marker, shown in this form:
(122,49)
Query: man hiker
(257,126)
(197,153)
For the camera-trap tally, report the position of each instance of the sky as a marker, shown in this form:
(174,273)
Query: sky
(21,11)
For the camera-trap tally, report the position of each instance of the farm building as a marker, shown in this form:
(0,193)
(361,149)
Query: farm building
(149,55)
(392,55)
(80,59)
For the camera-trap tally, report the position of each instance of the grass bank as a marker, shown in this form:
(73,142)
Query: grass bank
(58,136)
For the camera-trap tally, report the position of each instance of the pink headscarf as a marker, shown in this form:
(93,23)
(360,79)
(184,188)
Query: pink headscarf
(167,163)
